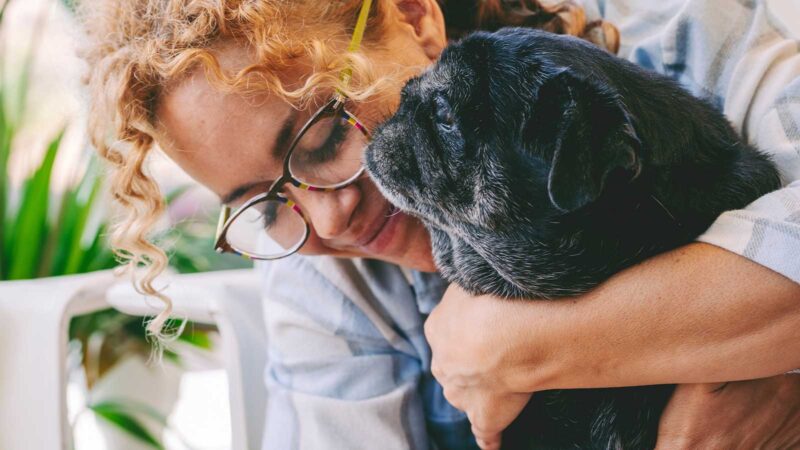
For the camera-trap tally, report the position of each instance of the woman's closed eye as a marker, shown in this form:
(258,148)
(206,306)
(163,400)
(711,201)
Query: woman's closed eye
(327,150)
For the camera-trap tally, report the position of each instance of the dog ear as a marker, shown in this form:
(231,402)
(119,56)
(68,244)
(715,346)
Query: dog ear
(593,138)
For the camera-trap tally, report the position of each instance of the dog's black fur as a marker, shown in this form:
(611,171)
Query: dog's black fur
(541,165)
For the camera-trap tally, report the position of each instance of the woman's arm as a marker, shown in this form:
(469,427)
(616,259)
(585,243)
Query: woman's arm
(697,314)
(694,315)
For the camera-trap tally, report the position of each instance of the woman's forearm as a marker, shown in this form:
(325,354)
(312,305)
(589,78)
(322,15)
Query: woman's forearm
(696,314)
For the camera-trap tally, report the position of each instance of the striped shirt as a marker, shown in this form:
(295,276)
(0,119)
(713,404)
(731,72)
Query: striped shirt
(743,56)
(349,367)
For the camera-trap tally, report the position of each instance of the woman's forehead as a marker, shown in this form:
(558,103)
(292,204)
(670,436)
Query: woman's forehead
(223,139)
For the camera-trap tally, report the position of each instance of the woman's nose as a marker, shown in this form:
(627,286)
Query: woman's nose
(330,213)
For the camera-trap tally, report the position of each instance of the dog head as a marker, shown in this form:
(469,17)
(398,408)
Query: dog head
(541,164)
(508,127)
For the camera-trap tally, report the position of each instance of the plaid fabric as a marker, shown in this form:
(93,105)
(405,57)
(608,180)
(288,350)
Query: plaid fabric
(743,56)
(349,367)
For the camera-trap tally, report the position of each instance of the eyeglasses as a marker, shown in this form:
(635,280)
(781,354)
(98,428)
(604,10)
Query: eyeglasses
(325,156)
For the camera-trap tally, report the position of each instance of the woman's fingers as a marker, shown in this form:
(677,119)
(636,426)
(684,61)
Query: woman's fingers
(763,413)
(489,412)
(488,442)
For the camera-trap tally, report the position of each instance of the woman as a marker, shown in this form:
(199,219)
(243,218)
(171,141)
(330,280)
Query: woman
(224,86)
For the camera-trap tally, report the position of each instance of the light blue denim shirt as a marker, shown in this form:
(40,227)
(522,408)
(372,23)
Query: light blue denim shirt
(349,367)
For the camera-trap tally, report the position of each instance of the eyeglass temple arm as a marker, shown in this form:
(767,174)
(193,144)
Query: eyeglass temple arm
(355,43)
(221,244)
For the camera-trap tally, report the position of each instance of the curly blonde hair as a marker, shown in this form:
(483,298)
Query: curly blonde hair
(136,47)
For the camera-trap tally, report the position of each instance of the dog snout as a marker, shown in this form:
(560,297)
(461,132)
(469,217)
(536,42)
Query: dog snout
(390,157)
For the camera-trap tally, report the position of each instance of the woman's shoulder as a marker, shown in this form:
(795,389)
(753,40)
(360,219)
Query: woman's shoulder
(678,27)
(738,54)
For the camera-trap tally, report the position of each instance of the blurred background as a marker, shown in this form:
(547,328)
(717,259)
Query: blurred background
(53,221)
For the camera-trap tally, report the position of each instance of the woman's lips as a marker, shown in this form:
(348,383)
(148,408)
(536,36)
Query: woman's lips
(377,241)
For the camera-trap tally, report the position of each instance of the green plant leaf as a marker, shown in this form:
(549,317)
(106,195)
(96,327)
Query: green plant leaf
(99,255)
(3,9)
(6,136)
(196,338)
(31,225)
(73,253)
(84,208)
(131,406)
(59,242)
(119,415)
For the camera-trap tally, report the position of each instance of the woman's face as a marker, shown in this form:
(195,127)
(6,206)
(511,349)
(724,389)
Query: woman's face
(235,145)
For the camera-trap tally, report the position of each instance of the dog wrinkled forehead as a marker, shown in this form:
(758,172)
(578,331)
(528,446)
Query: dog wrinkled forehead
(435,79)
(503,66)
(454,74)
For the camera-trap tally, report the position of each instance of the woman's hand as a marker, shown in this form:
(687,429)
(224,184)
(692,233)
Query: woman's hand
(477,342)
(477,380)
(762,413)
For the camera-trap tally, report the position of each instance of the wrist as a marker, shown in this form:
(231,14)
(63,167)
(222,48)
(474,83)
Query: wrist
(539,351)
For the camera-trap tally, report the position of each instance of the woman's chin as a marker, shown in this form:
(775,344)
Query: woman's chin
(413,250)
(426,266)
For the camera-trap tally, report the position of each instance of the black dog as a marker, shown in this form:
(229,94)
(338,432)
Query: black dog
(542,165)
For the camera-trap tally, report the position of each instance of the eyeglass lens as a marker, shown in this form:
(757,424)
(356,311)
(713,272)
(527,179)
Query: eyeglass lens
(268,229)
(327,155)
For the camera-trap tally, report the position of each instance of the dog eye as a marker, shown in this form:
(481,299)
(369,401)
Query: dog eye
(444,114)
